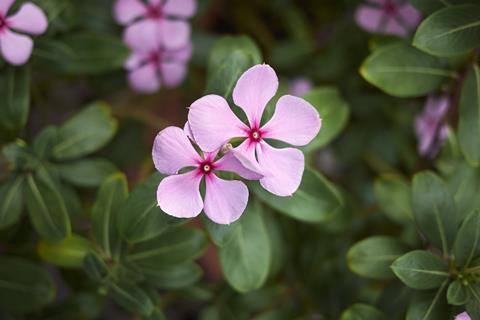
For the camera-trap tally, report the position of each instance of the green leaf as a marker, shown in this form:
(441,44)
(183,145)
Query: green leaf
(44,142)
(173,277)
(220,234)
(434,210)
(47,209)
(178,245)
(333,111)
(140,218)
(394,197)
(428,305)
(469,117)
(373,256)
(316,200)
(15,101)
(131,297)
(110,198)
(86,172)
(421,270)
(403,71)
(457,294)
(81,53)
(452,31)
(24,286)
(467,242)
(95,267)
(245,259)
(428,6)
(85,132)
(68,253)
(11,201)
(362,312)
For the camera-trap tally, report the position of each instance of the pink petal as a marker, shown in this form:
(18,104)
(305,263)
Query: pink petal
(300,86)
(188,131)
(16,48)
(245,153)
(213,123)
(173,73)
(179,195)
(295,121)
(253,91)
(395,28)
(462,316)
(175,34)
(229,162)
(135,61)
(173,151)
(225,200)
(144,79)
(437,106)
(179,55)
(5,6)
(180,8)
(283,169)
(143,36)
(410,15)
(30,19)
(125,11)
(368,18)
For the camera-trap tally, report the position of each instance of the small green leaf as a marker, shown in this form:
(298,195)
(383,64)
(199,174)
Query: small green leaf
(457,294)
(467,243)
(428,6)
(85,132)
(68,253)
(220,234)
(428,305)
(362,312)
(451,31)
(394,197)
(44,142)
(403,71)
(131,297)
(95,267)
(111,197)
(434,210)
(86,172)
(173,277)
(372,257)
(11,201)
(421,270)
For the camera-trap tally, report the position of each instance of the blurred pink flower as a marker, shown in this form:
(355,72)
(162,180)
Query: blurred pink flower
(17,48)
(429,127)
(165,19)
(395,17)
(462,316)
(179,193)
(295,122)
(300,86)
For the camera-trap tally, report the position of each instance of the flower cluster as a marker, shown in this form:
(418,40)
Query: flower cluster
(158,33)
(214,127)
(16,48)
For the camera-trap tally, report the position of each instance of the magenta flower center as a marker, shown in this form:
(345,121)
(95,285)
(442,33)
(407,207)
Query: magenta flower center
(3,23)
(155,12)
(255,135)
(155,58)
(390,8)
(206,167)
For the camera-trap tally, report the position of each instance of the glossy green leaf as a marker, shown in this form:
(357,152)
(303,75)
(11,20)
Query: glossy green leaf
(421,270)
(316,200)
(85,132)
(373,256)
(434,210)
(68,253)
(430,305)
(110,199)
(47,209)
(403,71)
(394,197)
(131,297)
(469,117)
(245,259)
(362,312)
(333,111)
(173,277)
(467,242)
(86,172)
(457,294)
(24,286)
(11,201)
(452,31)
(220,234)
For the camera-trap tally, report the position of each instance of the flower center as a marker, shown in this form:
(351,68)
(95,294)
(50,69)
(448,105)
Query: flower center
(390,8)
(155,58)
(206,167)
(255,135)
(3,23)
(155,12)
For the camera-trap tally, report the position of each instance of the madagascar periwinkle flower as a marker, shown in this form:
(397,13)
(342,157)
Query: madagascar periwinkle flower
(430,129)
(179,193)
(462,316)
(165,18)
(294,122)
(16,48)
(395,17)
(152,66)
(300,86)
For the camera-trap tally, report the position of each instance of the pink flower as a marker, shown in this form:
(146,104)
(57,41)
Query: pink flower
(295,122)
(166,19)
(151,66)
(179,193)
(394,17)
(462,316)
(429,127)
(300,86)
(17,48)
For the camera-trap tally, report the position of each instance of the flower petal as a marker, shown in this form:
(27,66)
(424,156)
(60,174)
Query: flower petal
(144,79)
(125,11)
(30,19)
(229,162)
(213,123)
(173,73)
(253,91)
(225,200)
(143,36)
(16,48)
(462,316)
(179,195)
(410,15)
(179,55)
(175,34)
(395,28)
(369,18)
(5,6)
(295,121)
(173,151)
(188,131)
(180,8)
(283,169)
(135,61)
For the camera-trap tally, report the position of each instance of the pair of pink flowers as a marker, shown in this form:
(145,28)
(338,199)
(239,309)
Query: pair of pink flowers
(16,47)
(159,36)
(213,126)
